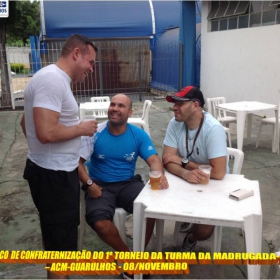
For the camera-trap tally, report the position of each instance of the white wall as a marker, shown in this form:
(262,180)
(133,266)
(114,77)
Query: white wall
(19,54)
(241,64)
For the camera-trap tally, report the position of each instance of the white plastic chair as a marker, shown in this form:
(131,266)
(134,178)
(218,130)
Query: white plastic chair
(227,131)
(274,268)
(18,95)
(271,121)
(100,99)
(97,109)
(220,115)
(144,120)
(238,156)
(99,114)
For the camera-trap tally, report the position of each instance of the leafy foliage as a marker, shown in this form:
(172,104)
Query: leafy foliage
(17,67)
(25,21)
(5,86)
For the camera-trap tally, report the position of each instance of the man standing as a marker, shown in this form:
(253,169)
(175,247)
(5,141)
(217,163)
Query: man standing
(192,138)
(111,183)
(53,131)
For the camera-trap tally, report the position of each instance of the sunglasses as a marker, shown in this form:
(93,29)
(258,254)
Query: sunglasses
(181,103)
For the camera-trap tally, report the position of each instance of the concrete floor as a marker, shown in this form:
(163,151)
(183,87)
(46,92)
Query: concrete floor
(19,229)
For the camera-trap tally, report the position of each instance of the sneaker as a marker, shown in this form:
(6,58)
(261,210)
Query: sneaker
(188,245)
(185,227)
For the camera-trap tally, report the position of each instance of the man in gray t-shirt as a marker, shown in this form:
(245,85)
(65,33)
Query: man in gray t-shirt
(193,138)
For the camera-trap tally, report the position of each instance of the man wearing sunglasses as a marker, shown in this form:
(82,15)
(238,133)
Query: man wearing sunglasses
(194,137)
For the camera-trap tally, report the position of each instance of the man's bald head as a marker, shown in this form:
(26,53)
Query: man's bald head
(121,97)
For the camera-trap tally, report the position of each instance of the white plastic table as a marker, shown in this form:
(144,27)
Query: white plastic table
(94,107)
(243,108)
(206,204)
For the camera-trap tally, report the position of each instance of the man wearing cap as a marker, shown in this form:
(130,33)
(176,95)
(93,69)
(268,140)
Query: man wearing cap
(194,137)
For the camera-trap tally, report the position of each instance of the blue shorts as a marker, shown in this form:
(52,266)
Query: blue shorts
(118,194)
(56,194)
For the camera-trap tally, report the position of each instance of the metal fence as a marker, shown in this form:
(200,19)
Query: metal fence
(122,66)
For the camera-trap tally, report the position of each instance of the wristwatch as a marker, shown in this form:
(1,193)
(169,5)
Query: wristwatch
(185,161)
(87,184)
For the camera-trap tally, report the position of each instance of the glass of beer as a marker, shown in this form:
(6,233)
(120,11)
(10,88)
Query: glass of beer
(207,170)
(154,179)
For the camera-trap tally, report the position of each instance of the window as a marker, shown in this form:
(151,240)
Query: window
(256,6)
(242,7)
(268,18)
(267,6)
(272,3)
(215,25)
(228,15)
(243,21)
(223,24)
(255,20)
(231,8)
(214,9)
(222,9)
(278,17)
(232,23)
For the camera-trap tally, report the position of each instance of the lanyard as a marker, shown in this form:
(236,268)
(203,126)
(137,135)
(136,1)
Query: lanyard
(196,135)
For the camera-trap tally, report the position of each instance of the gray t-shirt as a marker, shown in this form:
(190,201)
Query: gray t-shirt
(210,143)
(50,88)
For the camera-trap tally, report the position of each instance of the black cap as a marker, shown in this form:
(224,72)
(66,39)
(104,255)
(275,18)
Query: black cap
(186,94)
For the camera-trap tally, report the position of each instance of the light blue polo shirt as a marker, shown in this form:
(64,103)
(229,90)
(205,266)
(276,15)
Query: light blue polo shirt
(211,141)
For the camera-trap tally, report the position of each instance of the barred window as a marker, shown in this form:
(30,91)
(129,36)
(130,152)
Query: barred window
(228,15)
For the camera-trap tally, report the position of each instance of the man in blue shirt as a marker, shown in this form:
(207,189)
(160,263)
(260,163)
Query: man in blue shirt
(194,137)
(113,152)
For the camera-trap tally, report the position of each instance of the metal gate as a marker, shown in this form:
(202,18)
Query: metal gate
(122,66)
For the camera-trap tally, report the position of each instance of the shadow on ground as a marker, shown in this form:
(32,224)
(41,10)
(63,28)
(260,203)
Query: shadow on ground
(19,227)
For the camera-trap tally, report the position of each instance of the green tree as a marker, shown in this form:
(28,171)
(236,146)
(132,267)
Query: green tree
(23,21)
(27,21)
(5,85)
